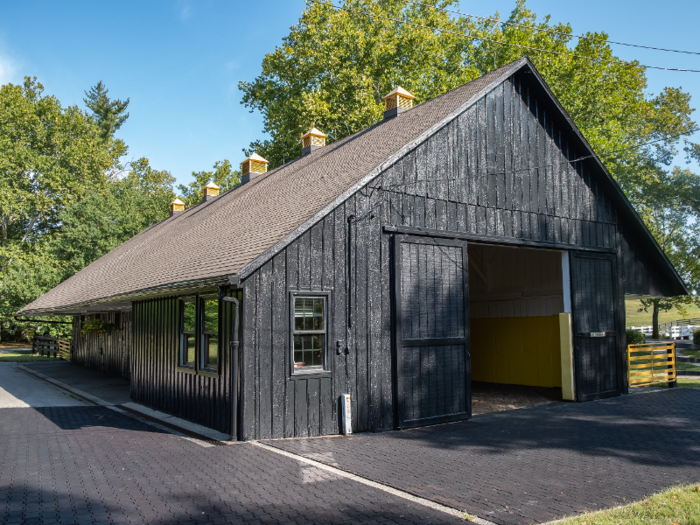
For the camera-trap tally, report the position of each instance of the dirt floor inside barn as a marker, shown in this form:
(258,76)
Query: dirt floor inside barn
(494,397)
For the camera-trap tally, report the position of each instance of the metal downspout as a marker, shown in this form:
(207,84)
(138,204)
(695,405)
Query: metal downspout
(234,369)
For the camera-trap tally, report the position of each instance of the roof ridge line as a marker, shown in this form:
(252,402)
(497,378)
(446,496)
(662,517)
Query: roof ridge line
(306,225)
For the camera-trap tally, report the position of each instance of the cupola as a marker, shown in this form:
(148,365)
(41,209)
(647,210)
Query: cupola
(176,206)
(252,167)
(398,101)
(210,191)
(312,140)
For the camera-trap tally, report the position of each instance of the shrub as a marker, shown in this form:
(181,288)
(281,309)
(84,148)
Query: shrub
(635,337)
(696,337)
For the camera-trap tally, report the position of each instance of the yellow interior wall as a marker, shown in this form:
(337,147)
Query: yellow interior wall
(517,350)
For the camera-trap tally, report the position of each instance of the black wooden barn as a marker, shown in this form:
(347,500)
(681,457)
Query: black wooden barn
(474,236)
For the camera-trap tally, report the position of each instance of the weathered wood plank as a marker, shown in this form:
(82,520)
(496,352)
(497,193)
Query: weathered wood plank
(264,352)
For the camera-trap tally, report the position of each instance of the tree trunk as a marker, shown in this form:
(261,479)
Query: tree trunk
(655,321)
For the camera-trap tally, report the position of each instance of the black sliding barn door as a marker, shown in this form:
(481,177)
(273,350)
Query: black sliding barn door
(594,303)
(432,331)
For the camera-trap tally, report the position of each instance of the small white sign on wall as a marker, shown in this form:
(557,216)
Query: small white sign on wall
(346,412)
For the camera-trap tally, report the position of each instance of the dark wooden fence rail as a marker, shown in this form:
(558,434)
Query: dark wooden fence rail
(52,346)
(43,344)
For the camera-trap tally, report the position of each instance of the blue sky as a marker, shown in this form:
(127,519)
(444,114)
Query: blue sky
(180,61)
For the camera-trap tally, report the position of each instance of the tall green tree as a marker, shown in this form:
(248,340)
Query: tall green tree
(670,207)
(50,157)
(102,221)
(109,114)
(223,175)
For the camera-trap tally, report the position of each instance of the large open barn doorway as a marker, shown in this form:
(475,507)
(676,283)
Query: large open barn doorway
(516,296)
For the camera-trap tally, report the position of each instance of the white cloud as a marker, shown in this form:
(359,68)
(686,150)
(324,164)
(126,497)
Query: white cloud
(185,10)
(7,70)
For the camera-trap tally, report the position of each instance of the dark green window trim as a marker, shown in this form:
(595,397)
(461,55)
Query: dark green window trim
(193,338)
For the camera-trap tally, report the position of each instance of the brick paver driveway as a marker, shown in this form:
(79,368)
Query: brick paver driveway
(534,465)
(75,465)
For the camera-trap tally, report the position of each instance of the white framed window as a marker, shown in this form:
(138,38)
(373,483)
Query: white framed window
(310,332)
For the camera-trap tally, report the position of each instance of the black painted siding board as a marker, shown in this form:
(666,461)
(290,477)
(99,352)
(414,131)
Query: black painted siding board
(361,322)
(430,214)
(249,377)
(351,298)
(316,257)
(481,163)
(305,261)
(264,351)
(292,266)
(532,160)
(340,382)
(386,326)
(313,386)
(374,312)
(301,423)
(491,145)
(280,350)
(328,424)
(469,123)
(499,141)
(507,146)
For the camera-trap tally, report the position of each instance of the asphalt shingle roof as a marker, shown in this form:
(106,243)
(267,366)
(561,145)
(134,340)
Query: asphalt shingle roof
(221,237)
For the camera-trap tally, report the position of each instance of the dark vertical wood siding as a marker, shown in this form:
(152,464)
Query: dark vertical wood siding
(502,168)
(155,379)
(106,353)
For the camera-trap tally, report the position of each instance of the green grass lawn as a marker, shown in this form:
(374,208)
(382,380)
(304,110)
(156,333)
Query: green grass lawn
(635,318)
(690,353)
(687,366)
(677,505)
(683,382)
(22,356)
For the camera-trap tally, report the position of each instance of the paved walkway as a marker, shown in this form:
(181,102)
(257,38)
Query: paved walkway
(111,389)
(81,465)
(536,464)
(19,389)
(95,464)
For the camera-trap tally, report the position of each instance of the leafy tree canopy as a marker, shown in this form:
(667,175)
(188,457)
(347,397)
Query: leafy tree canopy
(334,67)
(63,199)
(223,175)
(102,221)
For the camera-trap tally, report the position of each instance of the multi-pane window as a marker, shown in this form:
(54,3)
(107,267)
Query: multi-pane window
(199,333)
(188,337)
(210,332)
(309,333)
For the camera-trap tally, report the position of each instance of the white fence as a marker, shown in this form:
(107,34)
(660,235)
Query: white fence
(646,330)
(672,332)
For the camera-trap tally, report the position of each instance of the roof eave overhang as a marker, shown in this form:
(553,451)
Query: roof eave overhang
(122,302)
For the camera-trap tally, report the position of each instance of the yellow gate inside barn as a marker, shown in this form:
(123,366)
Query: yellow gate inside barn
(651,363)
